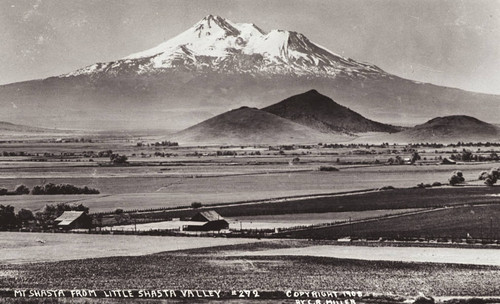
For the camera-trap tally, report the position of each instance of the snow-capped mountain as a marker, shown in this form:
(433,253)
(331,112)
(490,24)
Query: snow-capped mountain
(217,44)
(218,65)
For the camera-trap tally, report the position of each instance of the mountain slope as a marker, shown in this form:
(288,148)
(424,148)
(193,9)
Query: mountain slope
(319,112)
(250,126)
(7,127)
(218,64)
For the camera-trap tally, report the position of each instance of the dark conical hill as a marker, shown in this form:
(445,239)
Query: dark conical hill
(321,113)
(250,126)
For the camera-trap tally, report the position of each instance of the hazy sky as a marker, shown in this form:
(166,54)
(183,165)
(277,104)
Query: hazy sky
(453,43)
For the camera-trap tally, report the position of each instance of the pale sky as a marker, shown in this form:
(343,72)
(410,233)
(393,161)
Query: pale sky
(453,43)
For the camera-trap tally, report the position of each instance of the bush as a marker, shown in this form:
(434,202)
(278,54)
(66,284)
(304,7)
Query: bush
(3,191)
(422,185)
(436,184)
(196,205)
(328,168)
(387,188)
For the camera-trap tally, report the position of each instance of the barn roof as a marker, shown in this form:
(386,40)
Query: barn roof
(207,216)
(68,217)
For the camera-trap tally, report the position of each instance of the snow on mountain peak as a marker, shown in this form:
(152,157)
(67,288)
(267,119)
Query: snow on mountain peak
(220,44)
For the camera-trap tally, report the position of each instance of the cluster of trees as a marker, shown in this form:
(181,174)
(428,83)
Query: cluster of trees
(164,143)
(50,212)
(490,177)
(457,177)
(227,153)
(20,190)
(50,189)
(466,156)
(118,159)
(398,160)
(9,219)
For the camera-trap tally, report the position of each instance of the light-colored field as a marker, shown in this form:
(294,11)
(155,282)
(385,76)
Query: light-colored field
(18,247)
(467,256)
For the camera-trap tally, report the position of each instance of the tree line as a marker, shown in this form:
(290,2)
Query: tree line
(49,189)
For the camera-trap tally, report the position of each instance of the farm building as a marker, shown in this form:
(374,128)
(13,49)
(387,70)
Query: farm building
(207,221)
(73,220)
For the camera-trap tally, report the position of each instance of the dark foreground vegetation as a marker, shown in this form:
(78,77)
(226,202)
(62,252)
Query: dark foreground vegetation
(196,269)
(471,223)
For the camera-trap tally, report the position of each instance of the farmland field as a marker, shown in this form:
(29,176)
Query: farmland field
(239,185)
(19,248)
(457,222)
(148,187)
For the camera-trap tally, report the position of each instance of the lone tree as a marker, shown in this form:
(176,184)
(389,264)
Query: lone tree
(414,157)
(456,178)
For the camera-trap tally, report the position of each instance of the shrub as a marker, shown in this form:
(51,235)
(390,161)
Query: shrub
(328,168)
(3,191)
(196,205)
(387,188)
(436,184)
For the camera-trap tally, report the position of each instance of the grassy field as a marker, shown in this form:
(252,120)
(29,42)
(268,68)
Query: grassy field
(477,221)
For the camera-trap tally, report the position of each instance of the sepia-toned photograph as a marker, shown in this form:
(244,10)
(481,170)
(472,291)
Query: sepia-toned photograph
(250,151)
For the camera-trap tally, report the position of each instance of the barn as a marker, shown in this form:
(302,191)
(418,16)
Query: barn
(208,220)
(73,220)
